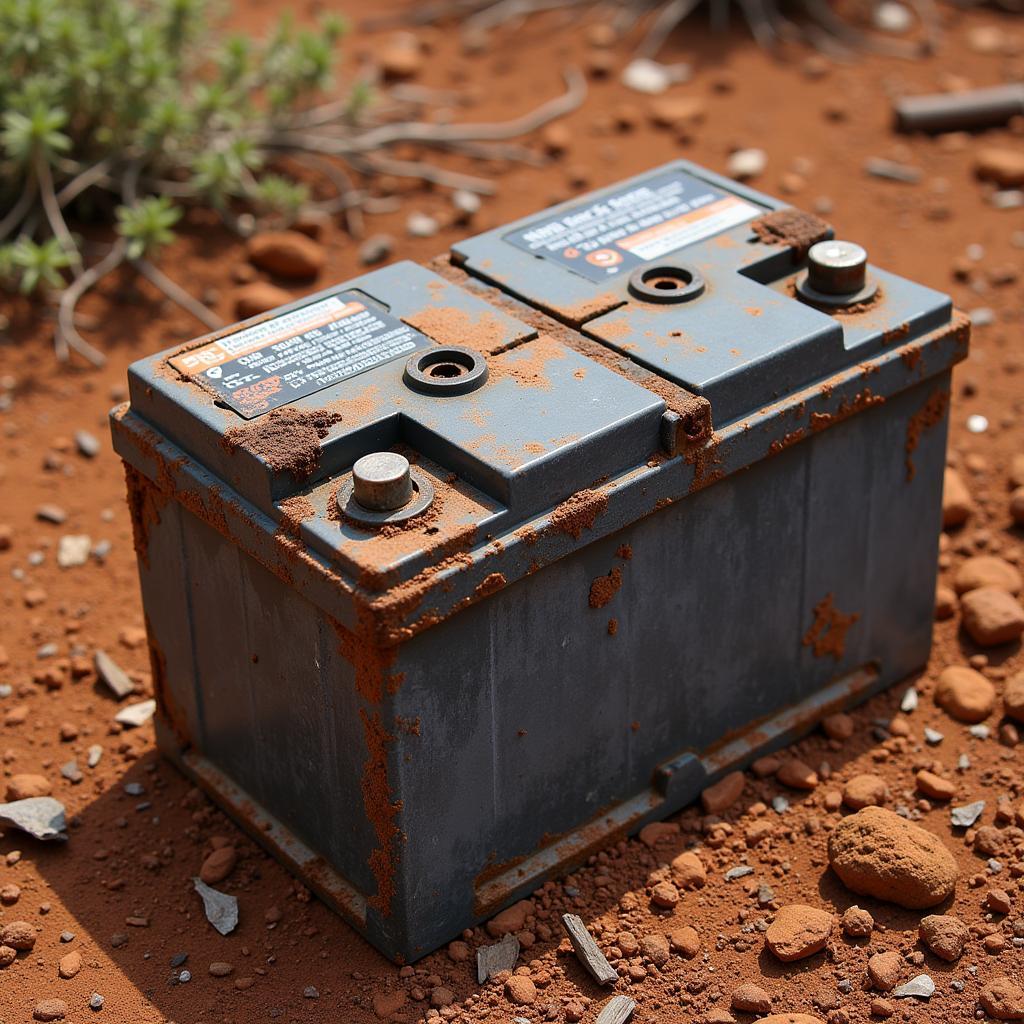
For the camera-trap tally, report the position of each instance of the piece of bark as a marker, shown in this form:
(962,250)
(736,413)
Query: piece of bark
(492,960)
(587,951)
(617,1010)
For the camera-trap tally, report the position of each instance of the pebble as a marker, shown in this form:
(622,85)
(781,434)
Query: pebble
(685,941)
(857,922)
(688,870)
(932,736)
(521,990)
(70,964)
(8,954)
(957,504)
(966,815)
(220,969)
(964,694)
(719,797)
(50,1009)
(218,865)
(96,1001)
(10,894)
(1003,999)
(798,931)
(27,786)
(750,998)
(884,970)
(877,853)
(745,164)
(221,908)
(376,249)
(665,895)
(400,57)
(647,76)
(992,616)
(258,297)
(51,514)
(73,550)
(422,225)
(935,786)
(865,791)
(88,445)
(136,715)
(288,254)
(998,901)
(41,817)
(1013,697)
(1003,166)
(185,977)
(986,571)
(909,701)
(510,920)
(892,17)
(945,935)
(921,987)
(1017,506)
(838,727)
(466,204)
(797,775)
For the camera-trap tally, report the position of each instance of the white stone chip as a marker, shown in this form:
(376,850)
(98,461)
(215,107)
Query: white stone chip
(136,714)
(39,816)
(967,815)
(922,987)
(73,550)
(221,909)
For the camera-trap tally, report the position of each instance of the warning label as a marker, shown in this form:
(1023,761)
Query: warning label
(299,353)
(635,225)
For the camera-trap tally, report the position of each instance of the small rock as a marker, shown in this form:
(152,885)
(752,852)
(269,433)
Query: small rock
(521,990)
(909,702)
(1003,999)
(967,815)
(745,164)
(839,727)
(891,17)
(218,865)
(1003,166)
(688,870)
(945,603)
(685,941)
(51,514)
(877,853)
(750,998)
(19,935)
(258,297)
(10,894)
(73,550)
(70,964)
(8,954)
(655,947)
(964,694)
(113,675)
(220,969)
(857,923)
(422,225)
(935,786)
(400,57)
(288,254)
(50,1009)
(998,901)
(921,987)
(96,1001)
(658,832)
(992,616)
(797,775)
(87,444)
(957,504)
(719,797)
(26,787)
(646,76)
(136,715)
(987,571)
(41,817)
(1013,697)
(865,791)
(510,920)
(221,909)
(665,895)
(798,931)
(376,249)
(884,970)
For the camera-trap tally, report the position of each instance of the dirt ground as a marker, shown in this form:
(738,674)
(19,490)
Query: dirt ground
(120,892)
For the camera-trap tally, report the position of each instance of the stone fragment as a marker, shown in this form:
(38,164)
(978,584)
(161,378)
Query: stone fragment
(884,970)
(719,797)
(521,990)
(69,965)
(1003,999)
(511,919)
(839,726)
(494,959)
(987,571)
(218,865)
(88,444)
(945,603)
(967,814)
(646,76)
(588,953)
(258,297)
(664,895)
(865,790)
(1013,697)
(658,832)
(50,1009)
(376,249)
(685,941)
(688,870)
(798,931)
(992,616)
(857,922)
(745,164)
(27,786)
(136,715)
(877,853)
(921,987)
(791,1018)
(617,1010)
(655,947)
(964,694)
(8,954)
(73,550)
(750,998)
(797,775)
(1003,166)
(19,935)
(41,817)
(221,909)
(115,677)
(288,254)
(957,504)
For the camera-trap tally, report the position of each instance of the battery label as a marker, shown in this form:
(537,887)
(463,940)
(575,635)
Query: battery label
(634,225)
(299,353)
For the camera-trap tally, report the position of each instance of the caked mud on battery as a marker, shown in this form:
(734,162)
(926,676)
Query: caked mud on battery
(453,573)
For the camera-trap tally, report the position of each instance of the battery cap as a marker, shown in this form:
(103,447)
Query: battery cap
(836,267)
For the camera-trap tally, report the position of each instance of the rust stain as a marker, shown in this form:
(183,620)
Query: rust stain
(827,635)
(579,512)
(929,415)
(604,588)
(381,809)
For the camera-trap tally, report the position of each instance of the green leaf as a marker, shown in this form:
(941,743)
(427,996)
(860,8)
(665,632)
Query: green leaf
(40,263)
(147,225)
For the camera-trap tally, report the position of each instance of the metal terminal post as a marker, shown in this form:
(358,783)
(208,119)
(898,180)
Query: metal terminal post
(836,275)
(384,488)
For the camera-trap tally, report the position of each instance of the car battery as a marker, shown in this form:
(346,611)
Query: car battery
(452,574)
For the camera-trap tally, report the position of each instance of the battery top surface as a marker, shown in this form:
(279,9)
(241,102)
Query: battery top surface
(546,362)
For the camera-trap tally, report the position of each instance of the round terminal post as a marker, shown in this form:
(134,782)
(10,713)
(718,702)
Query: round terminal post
(836,275)
(384,488)
(666,283)
(382,481)
(447,370)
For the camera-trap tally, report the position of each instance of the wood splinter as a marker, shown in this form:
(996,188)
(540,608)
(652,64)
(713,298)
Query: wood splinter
(617,1010)
(588,953)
